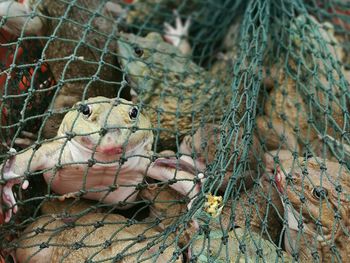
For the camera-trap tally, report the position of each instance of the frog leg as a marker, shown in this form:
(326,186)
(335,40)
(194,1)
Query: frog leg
(177,36)
(182,181)
(18,18)
(16,166)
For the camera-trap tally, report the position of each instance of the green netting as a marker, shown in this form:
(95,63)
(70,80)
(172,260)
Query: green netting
(174,131)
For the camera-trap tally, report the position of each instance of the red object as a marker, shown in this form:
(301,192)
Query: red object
(18,80)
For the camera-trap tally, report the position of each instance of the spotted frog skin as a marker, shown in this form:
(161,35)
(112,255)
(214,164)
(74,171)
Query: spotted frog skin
(62,239)
(121,137)
(288,111)
(241,217)
(316,196)
(205,144)
(179,92)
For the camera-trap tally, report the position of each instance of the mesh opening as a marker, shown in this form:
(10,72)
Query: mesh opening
(174,131)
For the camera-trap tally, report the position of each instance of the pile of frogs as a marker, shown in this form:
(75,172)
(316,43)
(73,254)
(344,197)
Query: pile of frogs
(141,151)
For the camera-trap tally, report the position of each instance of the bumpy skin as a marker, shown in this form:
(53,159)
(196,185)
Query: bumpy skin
(325,218)
(178,93)
(287,108)
(110,146)
(62,240)
(249,242)
(166,204)
(79,51)
(205,144)
(166,207)
(68,206)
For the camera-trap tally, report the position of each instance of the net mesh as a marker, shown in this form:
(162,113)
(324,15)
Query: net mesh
(174,131)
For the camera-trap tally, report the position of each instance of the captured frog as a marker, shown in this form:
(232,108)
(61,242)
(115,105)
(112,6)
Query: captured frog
(94,237)
(102,152)
(257,210)
(290,111)
(316,198)
(178,93)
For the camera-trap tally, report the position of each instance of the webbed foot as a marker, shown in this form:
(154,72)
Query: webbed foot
(11,179)
(177,36)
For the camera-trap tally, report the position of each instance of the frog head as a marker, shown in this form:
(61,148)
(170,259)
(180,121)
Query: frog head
(110,127)
(149,60)
(316,201)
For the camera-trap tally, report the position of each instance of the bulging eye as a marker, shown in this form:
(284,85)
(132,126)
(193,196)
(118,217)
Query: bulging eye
(86,110)
(133,113)
(138,51)
(319,192)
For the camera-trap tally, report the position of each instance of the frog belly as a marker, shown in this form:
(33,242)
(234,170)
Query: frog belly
(70,179)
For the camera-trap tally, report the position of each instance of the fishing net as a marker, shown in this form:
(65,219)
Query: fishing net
(174,131)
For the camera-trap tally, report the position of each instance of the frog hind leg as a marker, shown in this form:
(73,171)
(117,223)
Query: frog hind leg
(177,35)
(184,182)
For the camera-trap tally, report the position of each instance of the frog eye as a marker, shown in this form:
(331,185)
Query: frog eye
(138,51)
(133,113)
(319,192)
(86,110)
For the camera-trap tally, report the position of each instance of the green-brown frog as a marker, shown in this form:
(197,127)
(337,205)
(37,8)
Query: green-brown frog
(94,237)
(241,220)
(178,93)
(299,94)
(102,151)
(316,197)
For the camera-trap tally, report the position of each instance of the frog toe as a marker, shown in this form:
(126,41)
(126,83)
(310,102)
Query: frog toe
(9,200)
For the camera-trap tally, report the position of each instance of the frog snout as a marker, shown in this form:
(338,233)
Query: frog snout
(112,130)
(111,136)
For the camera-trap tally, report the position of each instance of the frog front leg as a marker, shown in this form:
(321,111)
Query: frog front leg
(16,166)
(182,181)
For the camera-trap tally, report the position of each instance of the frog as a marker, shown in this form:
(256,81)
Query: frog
(179,92)
(239,212)
(76,49)
(315,193)
(102,151)
(289,119)
(96,237)
(200,151)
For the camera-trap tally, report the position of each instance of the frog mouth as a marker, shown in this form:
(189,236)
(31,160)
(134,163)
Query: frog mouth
(109,150)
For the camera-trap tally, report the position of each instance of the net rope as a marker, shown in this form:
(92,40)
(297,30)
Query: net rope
(125,142)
